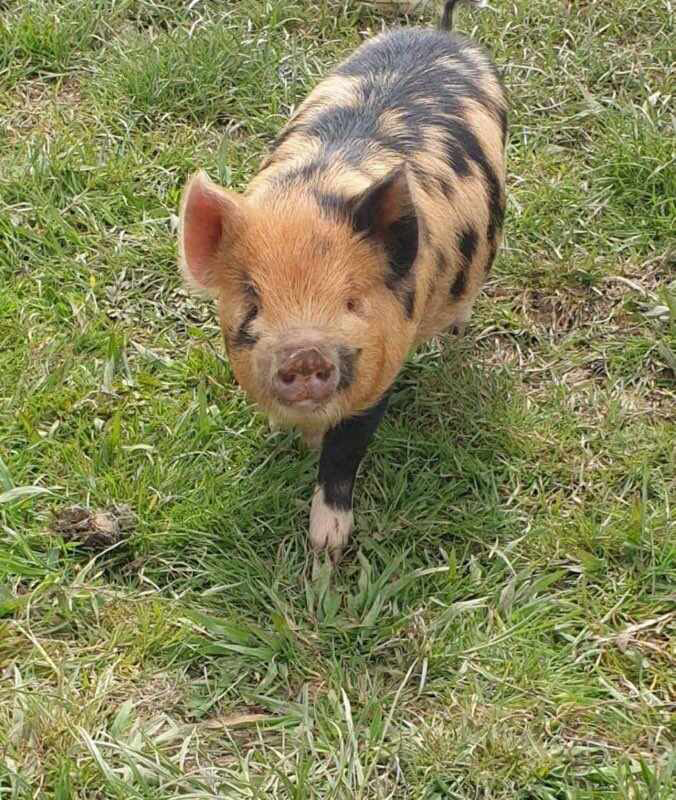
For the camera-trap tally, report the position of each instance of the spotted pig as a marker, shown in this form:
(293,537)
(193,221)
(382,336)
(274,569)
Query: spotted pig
(370,227)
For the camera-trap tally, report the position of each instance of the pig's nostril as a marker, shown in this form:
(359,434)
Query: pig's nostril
(304,374)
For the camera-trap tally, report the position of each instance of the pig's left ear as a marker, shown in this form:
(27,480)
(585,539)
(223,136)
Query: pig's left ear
(210,220)
(386,212)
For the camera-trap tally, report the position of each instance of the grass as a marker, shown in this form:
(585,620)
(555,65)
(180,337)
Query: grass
(503,624)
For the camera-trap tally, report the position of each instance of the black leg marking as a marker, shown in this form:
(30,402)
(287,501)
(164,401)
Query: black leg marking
(343,449)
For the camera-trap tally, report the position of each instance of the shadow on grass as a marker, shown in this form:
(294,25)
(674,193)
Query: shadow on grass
(436,478)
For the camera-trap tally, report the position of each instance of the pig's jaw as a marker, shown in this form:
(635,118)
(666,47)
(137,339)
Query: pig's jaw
(309,418)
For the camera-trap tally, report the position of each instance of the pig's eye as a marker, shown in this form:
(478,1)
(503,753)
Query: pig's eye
(352,305)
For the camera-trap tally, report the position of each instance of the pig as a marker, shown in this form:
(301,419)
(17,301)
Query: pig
(370,227)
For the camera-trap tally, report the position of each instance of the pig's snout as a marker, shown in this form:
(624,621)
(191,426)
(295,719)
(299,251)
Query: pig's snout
(304,375)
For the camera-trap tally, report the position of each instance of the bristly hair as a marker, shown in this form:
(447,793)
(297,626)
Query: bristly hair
(446,23)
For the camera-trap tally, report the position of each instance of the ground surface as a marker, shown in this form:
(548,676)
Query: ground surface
(503,626)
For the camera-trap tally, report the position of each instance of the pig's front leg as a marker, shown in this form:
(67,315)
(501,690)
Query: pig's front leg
(343,448)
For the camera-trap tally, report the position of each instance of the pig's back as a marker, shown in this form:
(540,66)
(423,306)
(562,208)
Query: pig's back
(431,99)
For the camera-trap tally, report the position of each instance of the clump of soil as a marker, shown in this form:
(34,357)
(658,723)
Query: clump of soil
(94,530)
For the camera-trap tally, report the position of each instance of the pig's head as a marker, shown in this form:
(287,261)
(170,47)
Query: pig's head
(315,293)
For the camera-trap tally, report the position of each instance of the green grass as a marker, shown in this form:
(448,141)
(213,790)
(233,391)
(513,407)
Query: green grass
(503,625)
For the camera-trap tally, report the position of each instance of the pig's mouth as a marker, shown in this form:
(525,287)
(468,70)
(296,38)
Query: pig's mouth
(306,404)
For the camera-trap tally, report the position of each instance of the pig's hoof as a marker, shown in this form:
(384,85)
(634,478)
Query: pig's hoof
(330,528)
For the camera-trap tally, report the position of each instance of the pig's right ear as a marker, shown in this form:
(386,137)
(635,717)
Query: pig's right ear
(209,221)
